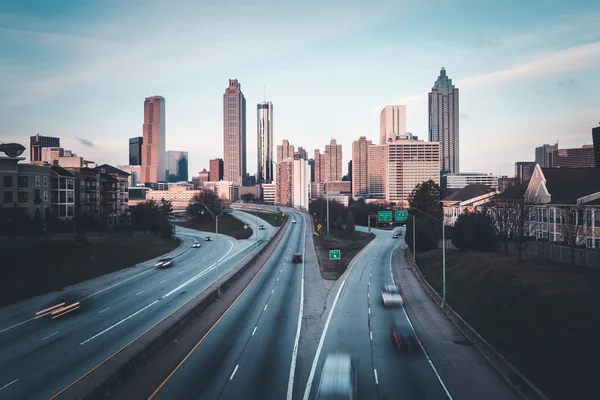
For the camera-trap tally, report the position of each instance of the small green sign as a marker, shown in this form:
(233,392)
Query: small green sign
(401,216)
(335,254)
(384,216)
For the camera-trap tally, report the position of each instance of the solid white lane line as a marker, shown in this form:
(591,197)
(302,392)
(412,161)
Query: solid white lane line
(272,291)
(369,294)
(369,310)
(8,384)
(117,284)
(106,309)
(254,331)
(180,272)
(234,371)
(371,335)
(264,309)
(44,338)
(313,369)
(163,281)
(290,391)
(15,325)
(277,279)
(119,323)
(138,293)
(375,373)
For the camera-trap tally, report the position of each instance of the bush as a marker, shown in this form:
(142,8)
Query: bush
(474,231)
(350,225)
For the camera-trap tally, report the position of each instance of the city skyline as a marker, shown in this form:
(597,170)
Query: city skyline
(540,76)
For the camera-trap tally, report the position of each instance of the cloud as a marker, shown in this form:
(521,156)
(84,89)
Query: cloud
(464,116)
(85,142)
(567,85)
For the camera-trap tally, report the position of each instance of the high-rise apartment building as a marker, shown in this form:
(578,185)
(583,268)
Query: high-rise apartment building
(37,143)
(135,150)
(154,141)
(333,161)
(392,123)
(596,141)
(582,157)
(524,170)
(444,121)
(215,168)
(293,183)
(460,180)
(301,153)
(319,166)
(284,150)
(543,155)
(377,170)
(234,133)
(177,166)
(410,162)
(311,165)
(264,134)
(360,162)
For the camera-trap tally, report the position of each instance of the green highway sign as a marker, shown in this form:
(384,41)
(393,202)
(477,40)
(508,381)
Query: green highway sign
(335,254)
(384,216)
(401,216)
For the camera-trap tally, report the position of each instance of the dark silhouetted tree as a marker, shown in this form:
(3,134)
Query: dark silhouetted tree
(350,225)
(474,231)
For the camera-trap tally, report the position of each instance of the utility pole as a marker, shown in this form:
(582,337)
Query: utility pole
(327,195)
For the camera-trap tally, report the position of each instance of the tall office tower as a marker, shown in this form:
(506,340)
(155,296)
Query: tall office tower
(284,151)
(333,161)
(135,150)
(317,167)
(443,121)
(377,170)
(293,183)
(524,170)
(234,133)
(154,141)
(543,155)
(311,165)
(582,157)
(596,141)
(177,166)
(392,123)
(360,161)
(215,168)
(301,154)
(37,143)
(264,134)
(409,163)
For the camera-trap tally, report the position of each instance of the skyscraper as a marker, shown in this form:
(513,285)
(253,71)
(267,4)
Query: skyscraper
(543,155)
(135,150)
(284,150)
(360,160)
(333,161)
(301,153)
(234,133)
(37,143)
(596,141)
(215,168)
(154,141)
(177,166)
(392,123)
(443,121)
(264,135)
(524,170)
(377,170)
(319,170)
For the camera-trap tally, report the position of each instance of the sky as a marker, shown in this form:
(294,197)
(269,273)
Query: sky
(528,72)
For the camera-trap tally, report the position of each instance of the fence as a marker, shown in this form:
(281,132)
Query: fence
(588,258)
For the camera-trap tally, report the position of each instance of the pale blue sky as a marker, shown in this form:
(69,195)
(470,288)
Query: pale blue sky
(528,72)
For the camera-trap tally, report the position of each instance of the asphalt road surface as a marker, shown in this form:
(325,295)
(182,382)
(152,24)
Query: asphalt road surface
(360,325)
(41,356)
(249,352)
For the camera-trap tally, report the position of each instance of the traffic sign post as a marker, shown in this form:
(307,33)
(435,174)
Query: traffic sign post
(335,254)
(384,216)
(401,216)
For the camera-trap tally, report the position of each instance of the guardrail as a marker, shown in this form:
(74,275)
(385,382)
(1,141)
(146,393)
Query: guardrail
(100,381)
(523,386)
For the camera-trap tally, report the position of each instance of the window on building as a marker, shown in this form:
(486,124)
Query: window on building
(588,218)
(23,197)
(23,182)
(70,196)
(552,215)
(597,243)
(597,218)
(544,215)
(70,184)
(573,217)
(45,181)
(580,217)
(589,243)
(45,196)
(38,181)
(63,197)
(8,181)
(8,197)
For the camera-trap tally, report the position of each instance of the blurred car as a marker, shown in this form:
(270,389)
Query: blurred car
(404,338)
(395,236)
(64,307)
(261,227)
(208,239)
(196,246)
(338,378)
(164,262)
(391,296)
(399,233)
(293,221)
(296,258)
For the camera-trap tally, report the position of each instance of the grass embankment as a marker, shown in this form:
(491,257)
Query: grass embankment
(349,245)
(228,225)
(541,315)
(274,219)
(34,266)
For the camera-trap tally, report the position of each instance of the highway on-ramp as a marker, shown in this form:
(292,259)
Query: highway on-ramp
(39,357)
(250,352)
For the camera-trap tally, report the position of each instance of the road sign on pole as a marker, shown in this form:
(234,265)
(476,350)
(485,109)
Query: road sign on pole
(384,216)
(401,216)
(335,254)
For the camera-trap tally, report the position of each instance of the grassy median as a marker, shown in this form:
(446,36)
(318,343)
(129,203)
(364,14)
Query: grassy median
(541,315)
(35,265)
(348,244)
(228,225)
(274,219)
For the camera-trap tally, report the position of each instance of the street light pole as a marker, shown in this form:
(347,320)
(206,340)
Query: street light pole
(414,238)
(327,195)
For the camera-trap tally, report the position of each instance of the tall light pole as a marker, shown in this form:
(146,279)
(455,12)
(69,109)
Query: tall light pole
(327,196)
(369,220)
(443,247)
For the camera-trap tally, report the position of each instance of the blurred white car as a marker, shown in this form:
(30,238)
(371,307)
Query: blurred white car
(390,296)
(196,246)
(338,378)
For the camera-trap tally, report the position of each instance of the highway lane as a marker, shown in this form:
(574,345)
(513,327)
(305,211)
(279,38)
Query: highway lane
(249,352)
(361,326)
(43,356)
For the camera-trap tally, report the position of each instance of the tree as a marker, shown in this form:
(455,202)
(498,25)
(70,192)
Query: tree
(502,215)
(426,197)
(248,197)
(425,234)
(575,224)
(206,198)
(339,222)
(474,231)
(350,225)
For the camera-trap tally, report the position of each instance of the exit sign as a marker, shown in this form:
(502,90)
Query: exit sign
(335,254)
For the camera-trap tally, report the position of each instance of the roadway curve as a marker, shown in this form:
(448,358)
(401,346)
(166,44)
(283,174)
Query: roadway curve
(40,357)
(249,352)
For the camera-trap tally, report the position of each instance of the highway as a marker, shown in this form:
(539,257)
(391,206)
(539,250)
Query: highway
(250,351)
(360,325)
(39,357)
